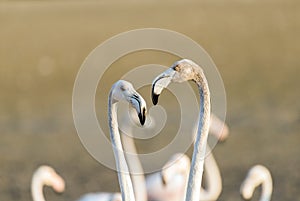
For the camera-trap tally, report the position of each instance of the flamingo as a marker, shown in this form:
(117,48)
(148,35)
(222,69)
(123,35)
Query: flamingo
(45,175)
(257,175)
(171,183)
(180,71)
(123,91)
(134,165)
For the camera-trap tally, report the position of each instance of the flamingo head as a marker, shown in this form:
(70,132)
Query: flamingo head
(124,91)
(256,176)
(51,178)
(181,71)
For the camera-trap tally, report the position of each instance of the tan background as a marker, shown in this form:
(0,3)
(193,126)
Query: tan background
(255,45)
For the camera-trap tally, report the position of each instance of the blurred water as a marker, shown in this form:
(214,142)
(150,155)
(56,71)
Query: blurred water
(43,43)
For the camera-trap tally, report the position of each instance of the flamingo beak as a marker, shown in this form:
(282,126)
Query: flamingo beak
(142,116)
(155,98)
(139,104)
(160,82)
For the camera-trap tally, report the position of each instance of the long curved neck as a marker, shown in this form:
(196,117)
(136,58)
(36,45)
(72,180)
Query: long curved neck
(267,188)
(37,188)
(212,178)
(135,167)
(196,171)
(122,168)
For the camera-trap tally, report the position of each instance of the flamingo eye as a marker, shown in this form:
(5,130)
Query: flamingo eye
(122,88)
(176,68)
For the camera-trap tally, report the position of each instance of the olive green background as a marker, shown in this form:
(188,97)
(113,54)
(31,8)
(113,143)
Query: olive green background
(255,45)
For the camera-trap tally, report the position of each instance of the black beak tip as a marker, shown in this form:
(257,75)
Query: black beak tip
(155,98)
(142,119)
